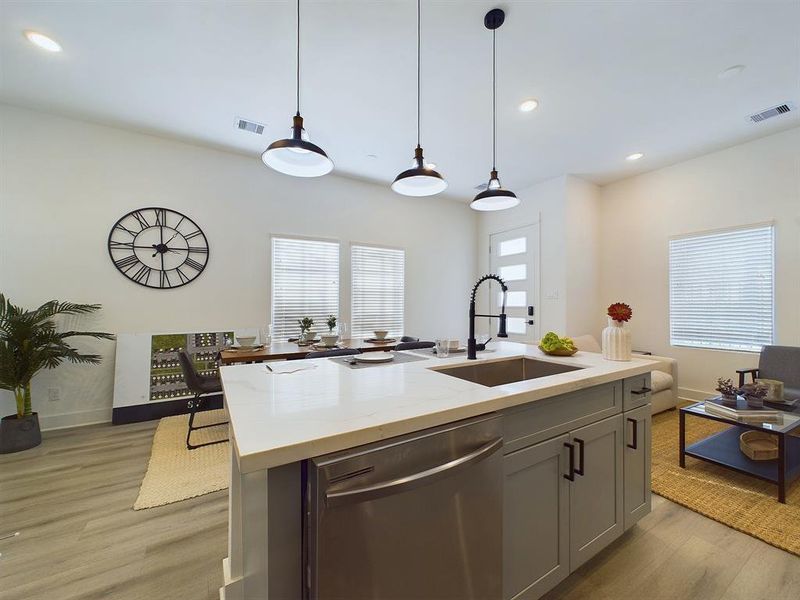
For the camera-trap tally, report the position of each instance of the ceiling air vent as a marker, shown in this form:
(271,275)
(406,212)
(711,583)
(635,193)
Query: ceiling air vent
(250,126)
(772,112)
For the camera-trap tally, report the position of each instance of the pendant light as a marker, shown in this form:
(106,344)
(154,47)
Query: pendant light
(296,155)
(494,197)
(421,179)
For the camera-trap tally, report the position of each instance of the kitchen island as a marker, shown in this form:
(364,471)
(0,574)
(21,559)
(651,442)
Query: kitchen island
(566,438)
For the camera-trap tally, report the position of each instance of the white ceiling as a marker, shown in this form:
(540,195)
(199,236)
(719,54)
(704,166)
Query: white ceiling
(612,77)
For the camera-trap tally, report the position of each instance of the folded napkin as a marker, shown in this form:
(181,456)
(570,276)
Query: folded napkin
(284,368)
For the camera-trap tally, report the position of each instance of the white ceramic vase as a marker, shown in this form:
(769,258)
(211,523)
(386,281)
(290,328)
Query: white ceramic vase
(616,341)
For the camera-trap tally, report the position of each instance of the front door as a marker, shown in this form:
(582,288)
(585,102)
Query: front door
(514,256)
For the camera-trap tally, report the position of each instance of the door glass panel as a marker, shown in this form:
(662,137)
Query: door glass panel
(515,325)
(513,299)
(515,246)
(514,272)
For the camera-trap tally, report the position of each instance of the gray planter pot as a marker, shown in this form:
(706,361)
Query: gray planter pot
(19,434)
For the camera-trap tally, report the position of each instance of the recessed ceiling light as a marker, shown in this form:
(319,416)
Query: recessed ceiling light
(529,105)
(372,156)
(44,42)
(730,72)
(634,156)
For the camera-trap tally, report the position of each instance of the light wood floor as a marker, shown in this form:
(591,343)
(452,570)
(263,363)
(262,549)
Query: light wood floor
(71,500)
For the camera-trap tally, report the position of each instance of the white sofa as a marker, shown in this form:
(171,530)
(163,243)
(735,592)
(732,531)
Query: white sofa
(664,378)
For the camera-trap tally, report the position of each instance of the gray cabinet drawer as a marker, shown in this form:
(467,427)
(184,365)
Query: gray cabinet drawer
(635,391)
(543,419)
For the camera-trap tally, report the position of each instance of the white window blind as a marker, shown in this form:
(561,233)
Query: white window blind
(378,289)
(305,283)
(721,289)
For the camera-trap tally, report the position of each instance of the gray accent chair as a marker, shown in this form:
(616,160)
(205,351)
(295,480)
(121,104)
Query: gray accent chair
(330,353)
(777,362)
(414,345)
(200,385)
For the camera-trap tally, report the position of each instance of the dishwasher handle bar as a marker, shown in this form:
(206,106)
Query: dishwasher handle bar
(394,486)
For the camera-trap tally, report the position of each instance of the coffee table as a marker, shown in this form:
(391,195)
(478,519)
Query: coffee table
(722,448)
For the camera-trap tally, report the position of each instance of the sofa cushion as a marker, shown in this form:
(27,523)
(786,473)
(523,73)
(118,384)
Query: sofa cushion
(660,381)
(791,393)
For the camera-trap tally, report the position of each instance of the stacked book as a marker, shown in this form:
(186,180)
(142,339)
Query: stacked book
(741,411)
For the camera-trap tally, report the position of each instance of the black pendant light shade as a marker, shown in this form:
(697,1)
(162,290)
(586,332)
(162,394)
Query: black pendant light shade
(419,180)
(494,197)
(297,156)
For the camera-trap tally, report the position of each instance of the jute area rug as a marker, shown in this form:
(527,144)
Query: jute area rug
(739,501)
(176,473)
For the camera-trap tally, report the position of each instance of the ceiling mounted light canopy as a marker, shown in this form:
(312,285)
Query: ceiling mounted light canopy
(494,197)
(421,179)
(296,155)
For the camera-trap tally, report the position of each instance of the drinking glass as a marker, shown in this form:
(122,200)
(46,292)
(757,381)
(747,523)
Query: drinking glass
(266,335)
(442,348)
(342,327)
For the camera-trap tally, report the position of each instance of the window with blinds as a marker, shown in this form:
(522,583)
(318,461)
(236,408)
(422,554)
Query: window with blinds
(721,289)
(378,289)
(305,283)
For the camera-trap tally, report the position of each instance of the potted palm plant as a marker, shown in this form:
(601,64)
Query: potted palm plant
(30,341)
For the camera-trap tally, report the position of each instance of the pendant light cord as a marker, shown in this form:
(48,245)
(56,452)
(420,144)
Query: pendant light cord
(297,86)
(419,52)
(494,99)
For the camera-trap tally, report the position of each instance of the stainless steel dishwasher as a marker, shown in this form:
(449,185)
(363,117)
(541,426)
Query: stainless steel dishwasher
(417,517)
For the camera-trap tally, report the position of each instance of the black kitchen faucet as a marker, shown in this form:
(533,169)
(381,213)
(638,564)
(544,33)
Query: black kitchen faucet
(501,333)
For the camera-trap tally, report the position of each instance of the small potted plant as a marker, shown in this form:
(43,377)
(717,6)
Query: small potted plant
(30,341)
(331,323)
(306,323)
(754,393)
(616,337)
(727,390)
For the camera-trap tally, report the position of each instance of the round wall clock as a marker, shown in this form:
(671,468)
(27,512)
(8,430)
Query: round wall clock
(158,248)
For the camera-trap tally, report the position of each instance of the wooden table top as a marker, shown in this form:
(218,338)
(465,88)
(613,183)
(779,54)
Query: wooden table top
(292,351)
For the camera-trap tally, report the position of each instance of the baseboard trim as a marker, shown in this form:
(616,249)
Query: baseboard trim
(158,410)
(690,395)
(74,419)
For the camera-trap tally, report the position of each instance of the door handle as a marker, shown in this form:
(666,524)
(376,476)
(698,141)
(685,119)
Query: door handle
(579,470)
(571,474)
(635,444)
(644,390)
(530,321)
(393,486)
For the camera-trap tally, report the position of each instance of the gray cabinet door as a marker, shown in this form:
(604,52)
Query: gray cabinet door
(595,496)
(535,519)
(637,464)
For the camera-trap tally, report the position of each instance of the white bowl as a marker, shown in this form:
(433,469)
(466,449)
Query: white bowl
(247,340)
(328,339)
(380,333)
(453,344)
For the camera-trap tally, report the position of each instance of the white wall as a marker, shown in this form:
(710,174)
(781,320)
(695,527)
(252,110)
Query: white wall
(750,183)
(65,182)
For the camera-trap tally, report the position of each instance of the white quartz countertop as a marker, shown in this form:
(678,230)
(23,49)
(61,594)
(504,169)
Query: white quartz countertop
(279,418)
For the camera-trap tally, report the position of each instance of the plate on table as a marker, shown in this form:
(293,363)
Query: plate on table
(383,341)
(378,357)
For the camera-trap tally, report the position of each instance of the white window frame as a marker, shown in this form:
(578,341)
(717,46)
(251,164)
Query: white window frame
(716,344)
(392,332)
(318,326)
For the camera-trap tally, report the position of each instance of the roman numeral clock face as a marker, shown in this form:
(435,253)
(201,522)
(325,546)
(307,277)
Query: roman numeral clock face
(158,248)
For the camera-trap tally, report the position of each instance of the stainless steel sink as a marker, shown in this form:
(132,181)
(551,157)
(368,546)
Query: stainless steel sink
(500,372)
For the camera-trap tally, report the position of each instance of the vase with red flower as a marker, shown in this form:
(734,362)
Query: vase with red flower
(617,337)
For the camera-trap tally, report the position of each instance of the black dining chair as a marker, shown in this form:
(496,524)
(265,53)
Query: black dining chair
(408,338)
(414,345)
(330,353)
(200,385)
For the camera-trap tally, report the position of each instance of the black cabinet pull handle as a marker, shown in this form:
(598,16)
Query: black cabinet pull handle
(635,443)
(579,470)
(571,475)
(644,390)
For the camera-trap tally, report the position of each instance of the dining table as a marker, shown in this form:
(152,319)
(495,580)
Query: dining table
(280,350)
